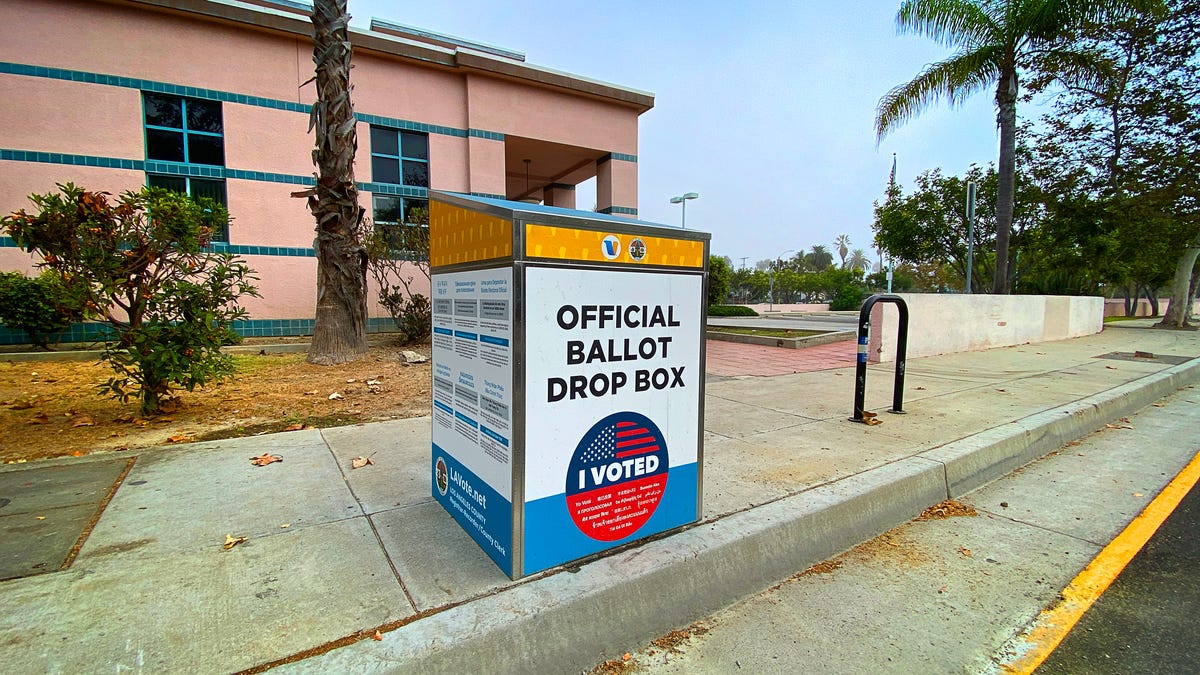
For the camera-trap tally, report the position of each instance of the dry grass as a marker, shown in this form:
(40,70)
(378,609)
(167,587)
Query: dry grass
(52,409)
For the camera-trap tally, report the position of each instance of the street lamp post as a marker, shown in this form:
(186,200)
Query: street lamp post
(682,199)
(771,278)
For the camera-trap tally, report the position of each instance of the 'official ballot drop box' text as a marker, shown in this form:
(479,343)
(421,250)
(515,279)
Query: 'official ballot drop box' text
(568,377)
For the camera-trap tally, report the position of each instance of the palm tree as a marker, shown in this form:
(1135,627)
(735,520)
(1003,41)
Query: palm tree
(843,244)
(818,258)
(858,260)
(995,41)
(340,330)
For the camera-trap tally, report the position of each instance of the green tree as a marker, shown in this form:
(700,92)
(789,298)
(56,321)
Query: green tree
(858,261)
(818,258)
(719,276)
(930,227)
(1118,157)
(140,264)
(42,306)
(340,329)
(996,42)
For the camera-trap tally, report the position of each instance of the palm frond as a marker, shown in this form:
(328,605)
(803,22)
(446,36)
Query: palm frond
(953,23)
(955,79)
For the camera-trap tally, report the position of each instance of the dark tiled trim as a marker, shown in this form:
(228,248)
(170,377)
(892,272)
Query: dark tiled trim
(73,160)
(619,156)
(216,95)
(489,135)
(487,195)
(244,249)
(619,210)
(96,332)
(561,186)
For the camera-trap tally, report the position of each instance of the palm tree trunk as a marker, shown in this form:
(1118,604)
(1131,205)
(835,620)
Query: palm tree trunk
(339,334)
(1006,102)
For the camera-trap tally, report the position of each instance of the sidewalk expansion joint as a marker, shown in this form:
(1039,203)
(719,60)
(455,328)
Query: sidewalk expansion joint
(370,523)
(87,530)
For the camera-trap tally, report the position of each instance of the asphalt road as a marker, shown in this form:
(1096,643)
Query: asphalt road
(948,596)
(1146,622)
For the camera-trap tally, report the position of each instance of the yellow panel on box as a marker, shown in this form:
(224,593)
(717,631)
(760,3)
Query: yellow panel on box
(565,243)
(463,236)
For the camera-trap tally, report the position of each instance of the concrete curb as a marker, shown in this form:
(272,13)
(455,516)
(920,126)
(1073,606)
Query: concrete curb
(786,343)
(570,622)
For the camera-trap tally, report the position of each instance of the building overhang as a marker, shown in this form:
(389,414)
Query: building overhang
(426,47)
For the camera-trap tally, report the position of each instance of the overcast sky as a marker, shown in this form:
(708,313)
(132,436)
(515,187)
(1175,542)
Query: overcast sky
(764,108)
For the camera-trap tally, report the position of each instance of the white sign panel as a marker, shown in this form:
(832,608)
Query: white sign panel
(612,386)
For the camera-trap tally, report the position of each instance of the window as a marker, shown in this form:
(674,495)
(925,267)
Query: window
(405,221)
(399,157)
(188,132)
(184,130)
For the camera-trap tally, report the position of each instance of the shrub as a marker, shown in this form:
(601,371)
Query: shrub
(393,253)
(139,264)
(719,276)
(731,310)
(41,306)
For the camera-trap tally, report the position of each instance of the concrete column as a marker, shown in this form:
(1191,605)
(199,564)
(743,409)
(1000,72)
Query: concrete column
(486,167)
(560,195)
(616,186)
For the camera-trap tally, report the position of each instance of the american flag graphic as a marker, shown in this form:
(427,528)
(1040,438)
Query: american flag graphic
(617,476)
(618,441)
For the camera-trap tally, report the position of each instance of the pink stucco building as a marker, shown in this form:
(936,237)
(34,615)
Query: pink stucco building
(213,97)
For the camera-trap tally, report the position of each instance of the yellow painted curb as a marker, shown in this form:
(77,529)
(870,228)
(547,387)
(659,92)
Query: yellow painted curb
(1053,624)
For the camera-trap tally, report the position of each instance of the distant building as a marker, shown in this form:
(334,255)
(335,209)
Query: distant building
(213,97)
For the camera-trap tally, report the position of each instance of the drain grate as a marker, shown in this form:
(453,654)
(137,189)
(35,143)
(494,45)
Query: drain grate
(1147,357)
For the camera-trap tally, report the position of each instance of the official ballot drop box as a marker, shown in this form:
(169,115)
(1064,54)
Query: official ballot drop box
(568,377)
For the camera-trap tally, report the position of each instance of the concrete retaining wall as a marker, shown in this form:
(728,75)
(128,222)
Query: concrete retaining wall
(1116,306)
(945,324)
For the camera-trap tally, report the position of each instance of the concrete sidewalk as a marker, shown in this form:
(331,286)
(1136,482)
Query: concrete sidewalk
(335,553)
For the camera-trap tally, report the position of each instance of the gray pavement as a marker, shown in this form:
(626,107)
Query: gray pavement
(334,553)
(945,596)
(825,321)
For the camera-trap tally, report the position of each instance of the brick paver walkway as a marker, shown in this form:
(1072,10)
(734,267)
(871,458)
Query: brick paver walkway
(733,358)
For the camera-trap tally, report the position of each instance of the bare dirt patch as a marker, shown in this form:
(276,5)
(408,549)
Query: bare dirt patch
(948,509)
(53,409)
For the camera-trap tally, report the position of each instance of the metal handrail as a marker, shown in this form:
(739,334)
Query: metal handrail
(860,375)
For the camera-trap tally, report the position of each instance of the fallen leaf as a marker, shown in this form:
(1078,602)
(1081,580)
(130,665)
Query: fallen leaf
(40,418)
(265,459)
(83,421)
(1117,426)
(231,541)
(336,396)
(23,403)
(872,421)
(1111,367)
(626,656)
(285,526)
(360,462)
(373,383)
(41,517)
(920,388)
(351,380)
(1137,494)
(377,636)
(139,422)
(124,417)
(965,551)
(942,589)
(1158,405)
(177,438)
(77,453)
(314,392)
(293,427)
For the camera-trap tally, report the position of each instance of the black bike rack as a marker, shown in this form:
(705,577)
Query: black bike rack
(860,375)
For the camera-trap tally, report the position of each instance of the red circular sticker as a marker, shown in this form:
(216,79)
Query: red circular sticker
(617,476)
